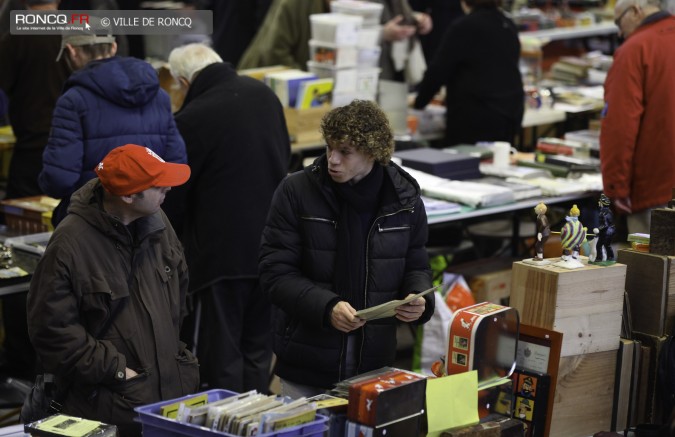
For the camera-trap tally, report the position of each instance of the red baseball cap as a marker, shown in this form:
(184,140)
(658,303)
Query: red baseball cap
(130,169)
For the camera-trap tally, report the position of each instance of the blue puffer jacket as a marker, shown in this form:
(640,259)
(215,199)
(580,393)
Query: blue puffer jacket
(109,103)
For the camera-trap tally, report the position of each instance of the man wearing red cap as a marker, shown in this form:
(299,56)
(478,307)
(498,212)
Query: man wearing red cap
(107,298)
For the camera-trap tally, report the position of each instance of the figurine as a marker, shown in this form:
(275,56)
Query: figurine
(572,235)
(604,233)
(543,232)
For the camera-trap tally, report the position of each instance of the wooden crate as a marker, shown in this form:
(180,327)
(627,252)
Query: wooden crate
(584,395)
(650,284)
(584,304)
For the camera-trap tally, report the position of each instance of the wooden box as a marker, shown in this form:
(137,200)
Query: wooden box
(303,124)
(25,214)
(650,284)
(584,395)
(584,304)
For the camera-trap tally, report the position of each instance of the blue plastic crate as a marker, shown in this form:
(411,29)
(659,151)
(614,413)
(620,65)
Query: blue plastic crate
(156,425)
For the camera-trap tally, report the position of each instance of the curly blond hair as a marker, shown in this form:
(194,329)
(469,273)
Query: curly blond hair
(363,125)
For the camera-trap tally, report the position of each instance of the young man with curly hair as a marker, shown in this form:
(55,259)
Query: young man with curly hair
(344,234)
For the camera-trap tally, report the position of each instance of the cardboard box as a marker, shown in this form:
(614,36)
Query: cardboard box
(489,279)
(441,164)
(650,284)
(303,124)
(585,304)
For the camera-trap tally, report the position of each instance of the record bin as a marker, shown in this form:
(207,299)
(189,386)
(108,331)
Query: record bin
(156,425)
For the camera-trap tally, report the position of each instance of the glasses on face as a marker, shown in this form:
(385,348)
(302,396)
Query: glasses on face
(620,17)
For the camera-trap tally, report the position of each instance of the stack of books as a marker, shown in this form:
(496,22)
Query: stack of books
(570,70)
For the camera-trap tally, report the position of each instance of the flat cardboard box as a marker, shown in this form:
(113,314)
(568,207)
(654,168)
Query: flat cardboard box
(650,284)
(441,164)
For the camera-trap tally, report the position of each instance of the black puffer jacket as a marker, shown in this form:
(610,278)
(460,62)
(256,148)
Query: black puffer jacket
(297,264)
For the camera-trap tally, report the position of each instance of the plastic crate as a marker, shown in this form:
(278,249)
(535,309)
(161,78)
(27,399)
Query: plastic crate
(334,28)
(156,425)
(332,54)
(371,12)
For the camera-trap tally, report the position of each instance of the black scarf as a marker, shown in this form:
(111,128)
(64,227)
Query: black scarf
(358,204)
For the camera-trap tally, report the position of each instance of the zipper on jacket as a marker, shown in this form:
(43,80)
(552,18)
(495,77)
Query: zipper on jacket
(365,287)
(392,229)
(320,220)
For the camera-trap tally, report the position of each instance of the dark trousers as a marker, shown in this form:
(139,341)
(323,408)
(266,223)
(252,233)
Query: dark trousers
(234,345)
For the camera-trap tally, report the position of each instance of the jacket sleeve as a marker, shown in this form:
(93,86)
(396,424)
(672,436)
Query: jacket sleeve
(418,273)
(280,263)
(442,67)
(64,153)
(60,339)
(624,107)
(283,40)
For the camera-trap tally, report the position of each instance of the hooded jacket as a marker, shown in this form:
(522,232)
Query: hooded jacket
(297,268)
(109,103)
(91,266)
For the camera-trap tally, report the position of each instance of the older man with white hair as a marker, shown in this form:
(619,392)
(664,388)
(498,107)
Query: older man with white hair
(238,145)
(638,127)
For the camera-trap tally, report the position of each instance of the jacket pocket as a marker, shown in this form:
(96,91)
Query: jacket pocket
(188,370)
(117,399)
(97,300)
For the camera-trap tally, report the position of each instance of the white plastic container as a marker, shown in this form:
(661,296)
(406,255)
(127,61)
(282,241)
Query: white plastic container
(369,36)
(340,29)
(345,79)
(371,12)
(343,99)
(338,56)
(367,80)
(369,57)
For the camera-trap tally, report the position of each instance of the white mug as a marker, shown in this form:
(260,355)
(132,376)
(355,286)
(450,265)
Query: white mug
(501,153)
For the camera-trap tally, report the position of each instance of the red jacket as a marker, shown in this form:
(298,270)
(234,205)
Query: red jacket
(638,129)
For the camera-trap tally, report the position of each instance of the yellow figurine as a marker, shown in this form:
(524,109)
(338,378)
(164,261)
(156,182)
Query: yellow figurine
(572,235)
(543,232)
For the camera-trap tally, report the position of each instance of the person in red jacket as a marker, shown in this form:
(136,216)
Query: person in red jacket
(637,141)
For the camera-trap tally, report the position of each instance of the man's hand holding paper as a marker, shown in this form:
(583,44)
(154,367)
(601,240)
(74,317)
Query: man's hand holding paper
(406,310)
(411,311)
(343,317)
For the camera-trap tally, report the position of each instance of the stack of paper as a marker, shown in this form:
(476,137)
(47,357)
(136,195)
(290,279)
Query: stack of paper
(469,193)
(435,207)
